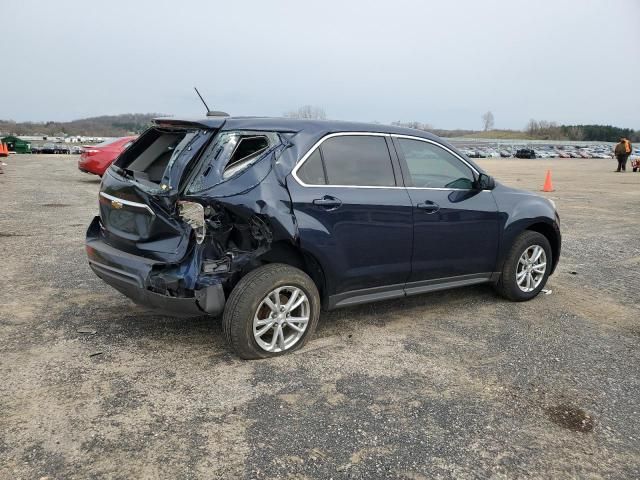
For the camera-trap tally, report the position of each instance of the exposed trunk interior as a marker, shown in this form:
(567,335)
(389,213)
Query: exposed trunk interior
(147,160)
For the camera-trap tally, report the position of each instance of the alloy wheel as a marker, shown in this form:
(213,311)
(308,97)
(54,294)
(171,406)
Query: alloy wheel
(281,319)
(532,266)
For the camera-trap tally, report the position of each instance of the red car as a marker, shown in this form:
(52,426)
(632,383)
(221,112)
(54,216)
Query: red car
(97,158)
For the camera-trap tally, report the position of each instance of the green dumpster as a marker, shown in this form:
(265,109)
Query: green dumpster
(16,144)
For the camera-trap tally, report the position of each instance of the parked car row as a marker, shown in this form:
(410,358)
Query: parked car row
(56,148)
(540,151)
(94,159)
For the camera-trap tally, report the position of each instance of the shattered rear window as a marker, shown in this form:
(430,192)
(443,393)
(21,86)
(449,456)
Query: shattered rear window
(229,154)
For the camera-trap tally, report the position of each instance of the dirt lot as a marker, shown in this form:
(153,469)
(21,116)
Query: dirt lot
(460,384)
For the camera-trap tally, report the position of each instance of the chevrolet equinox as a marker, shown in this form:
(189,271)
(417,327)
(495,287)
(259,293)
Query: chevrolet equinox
(267,220)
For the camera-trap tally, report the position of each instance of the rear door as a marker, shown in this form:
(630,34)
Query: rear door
(456,231)
(354,215)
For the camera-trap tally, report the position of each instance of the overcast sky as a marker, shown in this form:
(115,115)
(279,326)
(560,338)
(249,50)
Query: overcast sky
(438,62)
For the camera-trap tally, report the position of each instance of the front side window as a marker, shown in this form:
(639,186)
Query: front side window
(431,166)
(350,160)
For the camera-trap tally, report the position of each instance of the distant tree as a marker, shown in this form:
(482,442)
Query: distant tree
(544,130)
(308,112)
(415,125)
(487,121)
(574,132)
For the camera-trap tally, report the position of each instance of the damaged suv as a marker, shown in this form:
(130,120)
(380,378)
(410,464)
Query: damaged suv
(267,220)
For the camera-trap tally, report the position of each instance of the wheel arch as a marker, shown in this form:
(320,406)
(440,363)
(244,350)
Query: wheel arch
(552,236)
(285,252)
(543,226)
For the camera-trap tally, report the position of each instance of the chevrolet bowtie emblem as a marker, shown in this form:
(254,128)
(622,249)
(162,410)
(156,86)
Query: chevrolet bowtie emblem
(116,204)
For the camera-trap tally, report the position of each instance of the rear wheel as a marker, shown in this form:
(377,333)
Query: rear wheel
(526,268)
(273,310)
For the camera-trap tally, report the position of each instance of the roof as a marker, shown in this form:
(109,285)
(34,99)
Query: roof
(291,125)
(308,132)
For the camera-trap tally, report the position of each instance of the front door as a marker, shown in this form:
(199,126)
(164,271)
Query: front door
(456,231)
(353,215)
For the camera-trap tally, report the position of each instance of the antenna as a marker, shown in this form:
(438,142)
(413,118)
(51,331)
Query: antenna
(210,113)
(202,99)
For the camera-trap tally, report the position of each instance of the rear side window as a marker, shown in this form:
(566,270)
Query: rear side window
(245,151)
(229,154)
(352,160)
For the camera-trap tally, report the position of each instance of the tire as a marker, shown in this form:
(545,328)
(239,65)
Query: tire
(248,302)
(507,285)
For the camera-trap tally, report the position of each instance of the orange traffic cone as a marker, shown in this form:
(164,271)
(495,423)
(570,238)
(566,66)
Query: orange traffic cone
(548,186)
(4,151)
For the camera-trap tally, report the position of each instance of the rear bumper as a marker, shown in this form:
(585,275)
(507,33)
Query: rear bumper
(92,165)
(130,275)
(84,170)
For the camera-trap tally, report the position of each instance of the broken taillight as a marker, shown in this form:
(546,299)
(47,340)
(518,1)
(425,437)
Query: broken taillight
(193,214)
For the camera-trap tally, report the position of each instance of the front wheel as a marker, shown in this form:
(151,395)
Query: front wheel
(526,268)
(272,310)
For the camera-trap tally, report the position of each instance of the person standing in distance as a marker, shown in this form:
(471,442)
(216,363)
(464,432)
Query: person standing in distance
(622,152)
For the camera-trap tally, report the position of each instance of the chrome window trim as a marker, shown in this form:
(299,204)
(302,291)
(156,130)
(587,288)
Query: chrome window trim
(128,202)
(304,158)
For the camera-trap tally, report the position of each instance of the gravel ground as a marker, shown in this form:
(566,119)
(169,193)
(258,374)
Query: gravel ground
(460,384)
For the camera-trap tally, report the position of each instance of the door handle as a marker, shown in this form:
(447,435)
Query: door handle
(428,207)
(328,202)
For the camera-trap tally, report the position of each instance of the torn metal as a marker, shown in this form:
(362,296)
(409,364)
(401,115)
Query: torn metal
(218,202)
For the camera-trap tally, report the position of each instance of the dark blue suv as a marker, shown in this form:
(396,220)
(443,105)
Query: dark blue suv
(267,220)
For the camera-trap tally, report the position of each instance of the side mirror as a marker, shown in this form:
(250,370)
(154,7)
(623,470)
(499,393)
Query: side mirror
(485,182)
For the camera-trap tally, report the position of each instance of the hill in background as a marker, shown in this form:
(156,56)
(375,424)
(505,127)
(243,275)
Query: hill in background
(133,123)
(104,126)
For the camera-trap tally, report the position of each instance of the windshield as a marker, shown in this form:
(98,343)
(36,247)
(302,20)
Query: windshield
(230,154)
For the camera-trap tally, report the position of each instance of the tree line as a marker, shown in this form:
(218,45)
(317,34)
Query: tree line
(104,126)
(545,130)
(535,130)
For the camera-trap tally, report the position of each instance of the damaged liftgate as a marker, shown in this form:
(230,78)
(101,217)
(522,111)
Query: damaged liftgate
(225,186)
